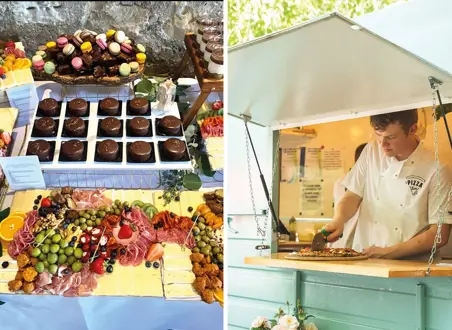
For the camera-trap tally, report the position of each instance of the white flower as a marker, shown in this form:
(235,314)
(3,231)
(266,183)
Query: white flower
(260,321)
(289,321)
(310,326)
(280,327)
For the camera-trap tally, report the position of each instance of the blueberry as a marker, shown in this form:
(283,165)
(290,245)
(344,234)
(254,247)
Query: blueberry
(220,266)
(112,261)
(110,269)
(156,227)
(42,212)
(74,228)
(5,264)
(35,207)
(156,264)
(65,226)
(148,264)
(36,201)
(71,243)
(79,245)
(214,261)
(190,209)
(122,251)
(103,248)
(193,218)
(114,254)
(39,197)
(74,238)
(67,221)
(177,198)
(127,209)
(92,243)
(172,215)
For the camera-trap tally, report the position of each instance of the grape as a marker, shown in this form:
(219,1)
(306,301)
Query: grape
(46,264)
(76,266)
(56,238)
(118,212)
(42,257)
(86,216)
(62,259)
(89,223)
(83,226)
(93,218)
(40,267)
(78,253)
(63,244)
(98,221)
(82,221)
(35,252)
(71,260)
(61,251)
(53,269)
(69,251)
(54,248)
(48,241)
(45,248)
(101,214)
(39,238)
(92,212)
(118,202)
(52,258)
(77,222)
(50,232)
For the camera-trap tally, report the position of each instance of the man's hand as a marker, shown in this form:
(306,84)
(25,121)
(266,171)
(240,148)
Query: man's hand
(336,228)
(377,252)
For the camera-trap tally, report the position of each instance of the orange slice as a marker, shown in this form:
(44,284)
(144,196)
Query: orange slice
(27,63)
(10,226)
(219,296)
(19,214)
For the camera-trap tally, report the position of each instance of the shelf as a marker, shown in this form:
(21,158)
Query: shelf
(370,267)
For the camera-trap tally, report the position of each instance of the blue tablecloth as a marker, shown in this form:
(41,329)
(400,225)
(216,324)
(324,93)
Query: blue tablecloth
(22,312)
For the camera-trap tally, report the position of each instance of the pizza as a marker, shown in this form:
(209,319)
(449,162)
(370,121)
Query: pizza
(329,253)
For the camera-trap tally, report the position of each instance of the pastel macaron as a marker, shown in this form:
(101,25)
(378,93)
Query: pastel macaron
(68,49)
(77,40)
(42,47)
(114,48)
(110,34)
(49,67)
(124,69)
(141,58)
(41,53)
(77,63)
(101,41)
(62,41)
(51,44)
(86,47)
(38,62)
(126,48)
(140,48)
(120,37)
(134,66)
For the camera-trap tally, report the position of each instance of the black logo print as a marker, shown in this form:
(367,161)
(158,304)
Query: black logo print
(415,183)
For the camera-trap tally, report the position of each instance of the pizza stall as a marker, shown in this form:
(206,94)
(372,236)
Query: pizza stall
(367,75)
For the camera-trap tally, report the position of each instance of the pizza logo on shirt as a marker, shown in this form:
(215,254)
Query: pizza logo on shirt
(415,183)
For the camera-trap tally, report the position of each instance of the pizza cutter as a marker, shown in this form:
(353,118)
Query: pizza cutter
(319,241)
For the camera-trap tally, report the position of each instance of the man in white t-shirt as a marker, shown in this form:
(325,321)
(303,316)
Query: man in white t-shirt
(350,226)
(394,184)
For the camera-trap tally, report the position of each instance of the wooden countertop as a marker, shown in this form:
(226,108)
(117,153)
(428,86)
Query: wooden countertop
(290,243)
(369,267)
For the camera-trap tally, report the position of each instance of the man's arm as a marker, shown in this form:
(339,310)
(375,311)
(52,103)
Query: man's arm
(420,244)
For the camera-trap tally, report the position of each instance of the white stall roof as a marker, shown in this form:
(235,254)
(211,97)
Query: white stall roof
(326,69)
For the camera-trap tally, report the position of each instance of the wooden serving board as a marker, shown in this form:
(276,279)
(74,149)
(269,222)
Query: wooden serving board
(301,258)
(171,280)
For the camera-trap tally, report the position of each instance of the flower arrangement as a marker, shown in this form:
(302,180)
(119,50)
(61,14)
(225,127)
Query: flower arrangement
(283,321)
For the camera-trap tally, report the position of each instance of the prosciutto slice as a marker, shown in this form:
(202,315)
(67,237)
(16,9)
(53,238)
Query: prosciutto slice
(90,199)
(24,236)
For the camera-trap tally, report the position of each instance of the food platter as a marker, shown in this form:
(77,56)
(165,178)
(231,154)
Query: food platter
(301,258)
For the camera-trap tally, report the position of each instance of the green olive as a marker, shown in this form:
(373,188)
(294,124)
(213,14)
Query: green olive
(201,244)
(205,251)
(83,226)
(196,231)
(86,216)
(205,239)
(89,223)
(220,257)
(213,243)
(201,226)
(216,250)
(76,222)
(118,202)
(92,212)
(101,214)
(118,212)
(197,238)
(125,204)
(202,232)
(98,221)
(210,234)
(201,220)
(195,250)
(82,220)
(107,209)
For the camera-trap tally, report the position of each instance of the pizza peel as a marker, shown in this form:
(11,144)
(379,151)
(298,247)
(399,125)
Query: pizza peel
(319,241)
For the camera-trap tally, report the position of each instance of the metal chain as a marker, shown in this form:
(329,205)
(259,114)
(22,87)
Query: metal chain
(260,231)
(438,184)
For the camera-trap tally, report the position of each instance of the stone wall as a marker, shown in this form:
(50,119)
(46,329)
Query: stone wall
(158,25)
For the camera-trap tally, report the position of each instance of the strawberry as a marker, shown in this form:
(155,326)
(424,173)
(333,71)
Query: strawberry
(217,105)
(6,137)
(98,266)
(45,202)
(125,232)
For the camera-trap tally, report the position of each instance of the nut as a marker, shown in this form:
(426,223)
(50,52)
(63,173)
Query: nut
(67,191)
(54,192)
(59,199)
(71,204)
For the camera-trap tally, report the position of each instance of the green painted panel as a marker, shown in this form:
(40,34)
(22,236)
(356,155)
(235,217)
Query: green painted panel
(232,327)
(327,324)
(239,249)
(261,284)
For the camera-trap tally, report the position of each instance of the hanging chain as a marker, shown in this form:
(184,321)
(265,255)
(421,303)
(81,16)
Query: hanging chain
(438,184)
(260,231)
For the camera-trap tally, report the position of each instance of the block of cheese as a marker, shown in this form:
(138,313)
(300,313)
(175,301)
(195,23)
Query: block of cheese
(178,277)
(8,118)
(177,263)
(180,292)
(175,250)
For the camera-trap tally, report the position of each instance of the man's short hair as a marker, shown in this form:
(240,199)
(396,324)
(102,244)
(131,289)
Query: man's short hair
(406,119)
(359,150)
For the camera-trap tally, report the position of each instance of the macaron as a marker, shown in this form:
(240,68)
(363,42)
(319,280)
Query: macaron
(49,67)
(38,63)
(41,53)
(134,66)
(141,48)
(51,44)
(126,48)
(43,48)
(68,49)
(77,63)
(62,41)
(101,41)
(77,40)
(86,47)
(11,44)
(141,58)
(128,41)
(101,36)
(110,34)
(114,48)
(124,69)
(120,37)
(85,34)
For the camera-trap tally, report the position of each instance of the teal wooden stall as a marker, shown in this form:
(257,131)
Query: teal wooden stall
(327,69)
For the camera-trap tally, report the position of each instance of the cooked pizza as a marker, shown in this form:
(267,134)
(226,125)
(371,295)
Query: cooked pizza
(329,252)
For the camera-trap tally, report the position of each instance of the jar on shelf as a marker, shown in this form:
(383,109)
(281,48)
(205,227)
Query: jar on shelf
(213,44)
(208,35)
(216,62)
(202,22)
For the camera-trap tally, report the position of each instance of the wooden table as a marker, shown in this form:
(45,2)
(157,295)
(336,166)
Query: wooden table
(370,267)
(206,84)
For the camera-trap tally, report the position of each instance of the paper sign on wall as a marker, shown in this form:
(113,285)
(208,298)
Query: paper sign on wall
(311,197)
(23,172)
(310,163)
(289,165)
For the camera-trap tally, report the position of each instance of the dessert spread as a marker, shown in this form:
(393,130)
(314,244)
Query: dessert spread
(74,126)
(169,125)
(110,126)
(40,148)
(49,107)
(174,149)
(45,127)
(107,150)
(72,150)
(139,126)
(139,106)
(109,106)
(78,107)
(140,151)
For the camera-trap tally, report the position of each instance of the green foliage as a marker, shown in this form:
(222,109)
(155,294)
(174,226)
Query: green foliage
(251,19)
